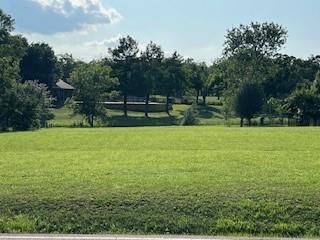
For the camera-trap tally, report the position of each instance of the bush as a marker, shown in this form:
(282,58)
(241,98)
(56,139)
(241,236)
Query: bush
(189,117)
(27,108)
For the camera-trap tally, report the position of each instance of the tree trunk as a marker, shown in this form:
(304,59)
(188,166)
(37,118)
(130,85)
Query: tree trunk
(125,108)
(198,93)
(90,120)
(315,122)
(146,111)
(262,121)
(241,122)
(249,122)
(204,99)
(167,105)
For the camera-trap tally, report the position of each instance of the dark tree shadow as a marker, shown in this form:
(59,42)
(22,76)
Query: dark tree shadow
(130,121)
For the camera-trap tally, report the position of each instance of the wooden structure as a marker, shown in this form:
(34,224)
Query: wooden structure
(61,92)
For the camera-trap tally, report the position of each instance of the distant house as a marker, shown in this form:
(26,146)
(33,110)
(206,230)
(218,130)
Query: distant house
(62,91)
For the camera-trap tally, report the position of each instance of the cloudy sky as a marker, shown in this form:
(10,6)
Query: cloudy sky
(195,28)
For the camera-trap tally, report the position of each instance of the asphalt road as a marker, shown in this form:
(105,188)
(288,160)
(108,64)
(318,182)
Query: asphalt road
(119,237)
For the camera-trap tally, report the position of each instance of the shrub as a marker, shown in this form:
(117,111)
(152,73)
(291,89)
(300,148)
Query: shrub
(189,117)
(26,107)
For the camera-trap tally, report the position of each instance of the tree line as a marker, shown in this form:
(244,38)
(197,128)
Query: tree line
(252,76)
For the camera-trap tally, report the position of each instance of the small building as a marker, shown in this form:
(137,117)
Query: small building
(62,91)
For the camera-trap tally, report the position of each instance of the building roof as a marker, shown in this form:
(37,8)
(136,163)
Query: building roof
(63,85)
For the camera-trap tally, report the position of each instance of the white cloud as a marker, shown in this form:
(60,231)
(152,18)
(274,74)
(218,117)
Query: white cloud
(106,43)
(61,16)
(93,9)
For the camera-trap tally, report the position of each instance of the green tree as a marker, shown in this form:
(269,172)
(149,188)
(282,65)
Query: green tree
(31,106)
(275,108)
(93,83)
(249,50)
(151,60)
(213,82)
(39,63)
(6,26)
(316,83)
(261,38)
(13,47)
(172,76)
(9,72)
(304,104)
(289,72)
(66,64)
(123,62)
(195,74)
(26,105)
(248,101)
(248,64)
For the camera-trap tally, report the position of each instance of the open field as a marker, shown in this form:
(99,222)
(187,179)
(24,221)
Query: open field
(177,180)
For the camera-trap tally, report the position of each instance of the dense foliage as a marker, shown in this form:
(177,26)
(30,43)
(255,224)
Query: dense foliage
(23,105)
(251,58)
(248,101)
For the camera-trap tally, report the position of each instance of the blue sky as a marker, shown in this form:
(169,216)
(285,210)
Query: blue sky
(195,28)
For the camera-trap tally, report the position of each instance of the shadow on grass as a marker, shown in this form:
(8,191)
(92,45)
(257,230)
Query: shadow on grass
(205,111)
(134,121)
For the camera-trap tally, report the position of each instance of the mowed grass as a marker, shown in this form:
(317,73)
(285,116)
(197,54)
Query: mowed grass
(177,180)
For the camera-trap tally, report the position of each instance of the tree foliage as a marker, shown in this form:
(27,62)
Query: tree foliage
(93,83)
(124,62)
(264,39)
(39,63)
(172,76)
(6,26)
(304,104)
(151,60)
(248,101)
(23,106)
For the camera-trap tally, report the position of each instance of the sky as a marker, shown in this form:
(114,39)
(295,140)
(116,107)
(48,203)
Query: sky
(194,28)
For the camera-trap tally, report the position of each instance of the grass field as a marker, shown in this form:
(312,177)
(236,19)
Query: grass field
(196,180)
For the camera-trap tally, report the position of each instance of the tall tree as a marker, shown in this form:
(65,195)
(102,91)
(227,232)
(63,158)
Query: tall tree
(9,72)
(195,75)
(249,49)
(123,61)
(262,38)
(151,60)
(93,83)
(172,76)
(6,26)
(39,63)
(248,63)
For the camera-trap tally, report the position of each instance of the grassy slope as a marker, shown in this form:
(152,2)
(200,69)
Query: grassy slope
(199,180)
(209,115)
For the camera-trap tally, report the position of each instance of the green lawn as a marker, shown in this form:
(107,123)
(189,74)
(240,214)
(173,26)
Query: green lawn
(178,180)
